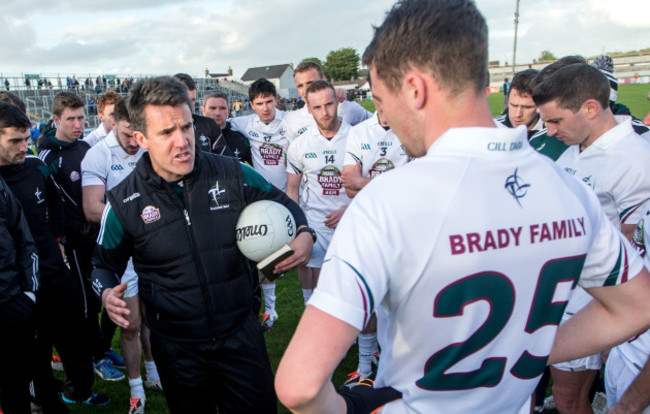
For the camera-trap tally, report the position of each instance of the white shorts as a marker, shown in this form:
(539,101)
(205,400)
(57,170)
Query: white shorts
(131,279)
(592,362)
(618,377)
(323,239)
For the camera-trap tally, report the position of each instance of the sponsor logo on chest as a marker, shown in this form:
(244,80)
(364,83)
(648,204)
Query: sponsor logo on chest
(150,214)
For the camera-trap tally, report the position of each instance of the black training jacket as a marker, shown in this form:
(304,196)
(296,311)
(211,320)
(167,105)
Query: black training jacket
(193,280)
(18,259)
(63,159)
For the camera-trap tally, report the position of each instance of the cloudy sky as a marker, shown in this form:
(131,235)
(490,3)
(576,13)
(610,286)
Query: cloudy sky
(167,36)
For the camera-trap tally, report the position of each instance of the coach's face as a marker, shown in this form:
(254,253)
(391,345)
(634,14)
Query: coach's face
(570,127)
(169,139)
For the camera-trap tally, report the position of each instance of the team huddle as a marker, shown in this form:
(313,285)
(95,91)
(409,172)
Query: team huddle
(471,257)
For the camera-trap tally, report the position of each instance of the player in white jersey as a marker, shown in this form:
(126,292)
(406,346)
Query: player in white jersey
(627,373)
(105,107)
(372,149)
(314,175)
(607,155)
(265,129)
(300,120)
(470,257)
(104,166)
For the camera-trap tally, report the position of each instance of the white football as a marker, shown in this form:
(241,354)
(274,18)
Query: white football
(263,227)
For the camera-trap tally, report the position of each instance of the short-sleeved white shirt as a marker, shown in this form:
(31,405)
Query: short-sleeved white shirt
(319,161)
(107,163)
(96,135)
(297,122)
(268,145)
(615,166)
(468,255)
(377,149)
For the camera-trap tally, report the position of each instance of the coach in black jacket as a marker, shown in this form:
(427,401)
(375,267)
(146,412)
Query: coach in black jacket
(176,215)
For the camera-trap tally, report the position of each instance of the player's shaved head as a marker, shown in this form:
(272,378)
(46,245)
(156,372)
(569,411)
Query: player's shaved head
(446,38)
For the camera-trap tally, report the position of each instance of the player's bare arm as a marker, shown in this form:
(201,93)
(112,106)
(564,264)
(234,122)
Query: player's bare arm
(304,383)
(618,313)
(93,202)
(352,179)
(293,187)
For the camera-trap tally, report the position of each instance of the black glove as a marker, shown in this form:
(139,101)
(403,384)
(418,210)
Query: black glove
(364,399)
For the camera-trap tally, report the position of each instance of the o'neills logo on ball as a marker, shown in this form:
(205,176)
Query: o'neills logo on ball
(271,153)
(330,179)
(251,231)
(381,167)
(150,214)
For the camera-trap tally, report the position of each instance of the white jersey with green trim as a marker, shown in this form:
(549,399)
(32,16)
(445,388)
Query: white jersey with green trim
(377,149)
(468,259)
(107,163)
(268,145)
(615,166)
(319,161)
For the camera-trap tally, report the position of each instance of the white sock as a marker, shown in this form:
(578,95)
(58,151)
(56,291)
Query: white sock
(306,294)
(269,298)
(151,370)
(367,347)
(137,391)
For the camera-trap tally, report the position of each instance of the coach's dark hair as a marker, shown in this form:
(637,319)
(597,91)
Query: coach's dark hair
(522,82)
(11,116)
(187,80)
(11,98)
(160,91)
(318,85)
(555,66)
(261,87)
(64,100)
(572,85)
(214,94)
(446,38)
(308,65)
(121,112)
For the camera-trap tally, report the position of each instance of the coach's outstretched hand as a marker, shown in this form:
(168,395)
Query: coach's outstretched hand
(364,399)
(301,246)
(112,299)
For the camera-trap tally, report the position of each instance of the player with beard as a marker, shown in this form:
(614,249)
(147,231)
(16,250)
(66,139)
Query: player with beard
(298,121)
(315,161)
(104,166)
(105,108)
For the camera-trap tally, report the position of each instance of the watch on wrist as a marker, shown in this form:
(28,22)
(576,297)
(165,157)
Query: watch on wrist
(308,230)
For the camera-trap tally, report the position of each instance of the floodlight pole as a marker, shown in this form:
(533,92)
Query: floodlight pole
(514,51)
